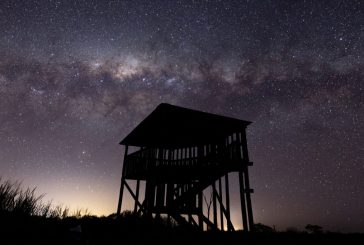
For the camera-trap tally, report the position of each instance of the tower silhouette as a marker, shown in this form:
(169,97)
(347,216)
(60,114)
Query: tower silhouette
(180,154)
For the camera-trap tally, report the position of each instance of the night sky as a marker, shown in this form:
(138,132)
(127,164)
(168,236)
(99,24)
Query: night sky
(77,76)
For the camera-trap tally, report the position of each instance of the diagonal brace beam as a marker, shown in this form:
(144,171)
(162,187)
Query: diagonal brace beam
(224,210)
(133,195)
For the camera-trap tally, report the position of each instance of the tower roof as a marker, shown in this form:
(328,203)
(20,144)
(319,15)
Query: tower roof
(173,126)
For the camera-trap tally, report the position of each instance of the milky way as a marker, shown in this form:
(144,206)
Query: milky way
(76,77)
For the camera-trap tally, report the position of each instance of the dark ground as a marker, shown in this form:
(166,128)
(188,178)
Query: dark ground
(129,229)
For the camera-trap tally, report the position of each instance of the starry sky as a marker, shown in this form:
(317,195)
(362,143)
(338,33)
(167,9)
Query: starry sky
(77,76)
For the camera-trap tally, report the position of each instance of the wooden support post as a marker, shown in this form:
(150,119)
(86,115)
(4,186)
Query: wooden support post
(200,212)
(136,196)
(149,197)
(227,200)
(242,201)
(122,183)
(160,196)
(221,207)
(248,200)
(170,194)
(245,146)
(214,204)
(146,189)
(246,179)
(120,196)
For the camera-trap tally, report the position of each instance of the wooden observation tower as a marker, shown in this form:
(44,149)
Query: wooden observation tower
(181,154)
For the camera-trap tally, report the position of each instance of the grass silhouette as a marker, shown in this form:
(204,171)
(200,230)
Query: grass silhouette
(19,202)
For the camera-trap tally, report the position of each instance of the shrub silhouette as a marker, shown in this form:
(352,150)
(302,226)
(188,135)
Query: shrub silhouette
(313,229)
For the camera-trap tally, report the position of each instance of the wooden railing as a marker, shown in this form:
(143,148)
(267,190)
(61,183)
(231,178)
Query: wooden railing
(145,160)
